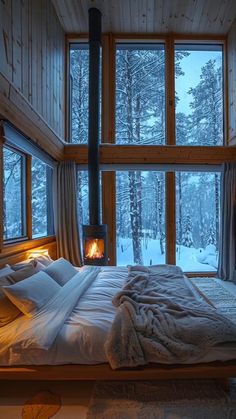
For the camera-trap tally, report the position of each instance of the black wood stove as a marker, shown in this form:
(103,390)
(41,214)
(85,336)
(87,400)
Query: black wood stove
(94,234)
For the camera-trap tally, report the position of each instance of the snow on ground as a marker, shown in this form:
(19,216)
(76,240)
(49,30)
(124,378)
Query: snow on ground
(186,257)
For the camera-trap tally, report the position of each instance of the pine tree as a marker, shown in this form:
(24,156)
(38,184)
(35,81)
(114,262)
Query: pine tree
(187,239)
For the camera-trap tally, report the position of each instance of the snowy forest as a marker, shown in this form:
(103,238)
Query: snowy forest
(14,207)
(140,119)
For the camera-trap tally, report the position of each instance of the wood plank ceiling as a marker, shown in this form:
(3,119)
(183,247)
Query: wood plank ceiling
(150,16)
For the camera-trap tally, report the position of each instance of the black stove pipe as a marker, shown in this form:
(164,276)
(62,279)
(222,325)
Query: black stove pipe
(94,106)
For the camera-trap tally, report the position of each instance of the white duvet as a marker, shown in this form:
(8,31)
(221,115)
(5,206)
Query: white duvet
(73,327)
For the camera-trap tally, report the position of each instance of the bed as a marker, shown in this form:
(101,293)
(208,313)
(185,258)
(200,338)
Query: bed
(78,346)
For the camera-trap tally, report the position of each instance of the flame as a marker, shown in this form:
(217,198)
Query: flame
(94,251)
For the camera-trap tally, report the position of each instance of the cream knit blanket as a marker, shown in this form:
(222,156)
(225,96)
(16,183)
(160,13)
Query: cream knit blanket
(161,319)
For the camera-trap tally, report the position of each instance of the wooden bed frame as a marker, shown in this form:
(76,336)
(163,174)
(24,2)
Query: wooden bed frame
(213,370)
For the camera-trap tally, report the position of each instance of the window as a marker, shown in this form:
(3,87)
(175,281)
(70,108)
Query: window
(82,199)
(197,220)
(140,94)
(140,217)
(42,216)
(14,202)
(79,82)
(27,188)
(199,94)
(162,200)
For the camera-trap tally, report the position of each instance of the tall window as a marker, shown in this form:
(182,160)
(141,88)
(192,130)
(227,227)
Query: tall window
(199,94)
(197,220)
(140,217)
(42,215)
(82,198)
(151,83)
(140,94)
(79,81)
(14,200)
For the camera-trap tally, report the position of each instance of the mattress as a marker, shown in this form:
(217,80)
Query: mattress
(82,337)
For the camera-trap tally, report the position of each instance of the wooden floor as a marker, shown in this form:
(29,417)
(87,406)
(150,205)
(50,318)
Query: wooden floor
(75,397)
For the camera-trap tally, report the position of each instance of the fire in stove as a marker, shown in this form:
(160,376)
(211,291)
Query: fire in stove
(95,244)
(94,248)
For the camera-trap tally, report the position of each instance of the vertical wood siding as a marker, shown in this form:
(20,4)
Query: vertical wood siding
(32,56)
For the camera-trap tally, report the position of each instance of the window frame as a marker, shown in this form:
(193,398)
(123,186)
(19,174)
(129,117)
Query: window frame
(112,154)
(24,236)
(222,43)
(49,200)
(12,139)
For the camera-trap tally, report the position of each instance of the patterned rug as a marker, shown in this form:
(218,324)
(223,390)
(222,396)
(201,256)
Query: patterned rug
(177,399)
(221,298)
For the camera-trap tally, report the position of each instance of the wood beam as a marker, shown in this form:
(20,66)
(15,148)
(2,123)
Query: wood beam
(131,154)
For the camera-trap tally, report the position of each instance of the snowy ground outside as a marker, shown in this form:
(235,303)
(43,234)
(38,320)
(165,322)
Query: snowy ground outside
(186,257)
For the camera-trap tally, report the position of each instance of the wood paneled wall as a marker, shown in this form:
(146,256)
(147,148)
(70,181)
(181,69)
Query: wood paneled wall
(232,84)
(33,55)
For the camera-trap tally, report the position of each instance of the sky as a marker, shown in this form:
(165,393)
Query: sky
(191,66)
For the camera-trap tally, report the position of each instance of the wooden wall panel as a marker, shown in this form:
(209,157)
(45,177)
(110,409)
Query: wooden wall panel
(232,85)
(17,253)
(32,56)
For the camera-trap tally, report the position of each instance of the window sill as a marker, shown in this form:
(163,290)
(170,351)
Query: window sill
(25,244)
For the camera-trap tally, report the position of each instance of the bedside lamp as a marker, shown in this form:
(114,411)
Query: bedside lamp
(36,253)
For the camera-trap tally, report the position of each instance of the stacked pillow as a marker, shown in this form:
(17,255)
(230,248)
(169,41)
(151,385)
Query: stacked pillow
(8,276)
(26,287)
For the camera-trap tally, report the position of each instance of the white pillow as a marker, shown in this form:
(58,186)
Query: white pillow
(6,271)
(44,260)
(32,293)
(61,271)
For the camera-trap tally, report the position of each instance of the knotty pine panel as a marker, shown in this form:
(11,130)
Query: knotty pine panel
(32,56)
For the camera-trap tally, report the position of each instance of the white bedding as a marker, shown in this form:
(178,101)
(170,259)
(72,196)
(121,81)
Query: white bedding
(81,339)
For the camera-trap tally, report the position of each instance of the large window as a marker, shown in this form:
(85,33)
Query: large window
(164,116)
(79,80)
(14,200)
(82,198)
(27,198)
(199,94)
(197,220)
(78,97)
(42,215)
(140,94)
(140,217)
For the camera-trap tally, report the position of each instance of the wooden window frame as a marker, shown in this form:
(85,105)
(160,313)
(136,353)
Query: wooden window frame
(24,191)
(112,154)
(25,241)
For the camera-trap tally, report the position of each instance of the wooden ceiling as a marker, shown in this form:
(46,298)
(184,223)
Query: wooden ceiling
(150,16)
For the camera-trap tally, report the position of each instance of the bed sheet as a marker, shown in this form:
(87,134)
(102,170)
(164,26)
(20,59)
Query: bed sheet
(81,339)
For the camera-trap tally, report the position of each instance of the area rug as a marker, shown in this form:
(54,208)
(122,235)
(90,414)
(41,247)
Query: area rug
(179,399)
(221,298)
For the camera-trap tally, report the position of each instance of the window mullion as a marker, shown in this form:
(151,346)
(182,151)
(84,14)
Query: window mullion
(28,197)
(109,212)
(170,219)
(170,91)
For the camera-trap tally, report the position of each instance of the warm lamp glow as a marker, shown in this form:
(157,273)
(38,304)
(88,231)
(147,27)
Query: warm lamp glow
(37,253)
(94,249)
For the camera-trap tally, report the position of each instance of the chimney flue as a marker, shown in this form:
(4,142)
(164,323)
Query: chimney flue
(94,106)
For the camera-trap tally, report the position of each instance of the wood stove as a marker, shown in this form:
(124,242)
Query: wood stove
(94,234)
(95,244)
